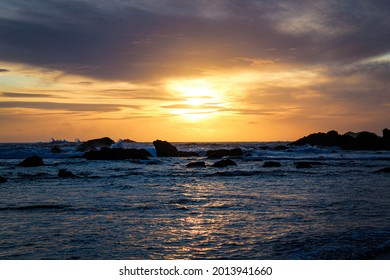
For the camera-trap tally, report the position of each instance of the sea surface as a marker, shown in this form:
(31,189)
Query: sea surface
(161,209)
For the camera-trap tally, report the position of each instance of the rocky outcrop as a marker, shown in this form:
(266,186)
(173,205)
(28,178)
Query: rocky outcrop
(117,154)
(349,141)
(237,152)
(32,161)
(224,163)
(271,164)
(166,149)
(197,164)
(94,144)
(386,139)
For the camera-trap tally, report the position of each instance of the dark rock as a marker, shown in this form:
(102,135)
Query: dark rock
(128,141)
(383,170)
(330,139)
(56,150)
(63,173)
(367,141)
(3,179)
(386,134)
(94,144)
(224,153)
(31,162)
(197,164)
(272,164)
(166,149)
(349,141)
(224,163)
(386,139)
(117,154)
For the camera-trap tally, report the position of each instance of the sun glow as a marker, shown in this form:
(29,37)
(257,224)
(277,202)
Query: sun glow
(201,99)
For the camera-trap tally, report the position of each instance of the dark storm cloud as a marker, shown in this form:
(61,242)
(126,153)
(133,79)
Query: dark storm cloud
(142,40)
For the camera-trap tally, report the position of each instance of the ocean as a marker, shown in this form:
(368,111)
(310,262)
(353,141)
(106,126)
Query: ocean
(161,209)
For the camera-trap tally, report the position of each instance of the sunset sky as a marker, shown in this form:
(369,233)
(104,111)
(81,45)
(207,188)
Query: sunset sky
(223,70)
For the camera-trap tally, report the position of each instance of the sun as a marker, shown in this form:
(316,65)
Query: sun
(201,99)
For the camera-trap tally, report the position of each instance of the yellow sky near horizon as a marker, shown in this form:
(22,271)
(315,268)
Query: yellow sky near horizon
(258,103)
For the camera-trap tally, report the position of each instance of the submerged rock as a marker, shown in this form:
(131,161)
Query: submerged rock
(3,179)
(237,152)
(32,161)
(272,164)
(224,163)
(94,144)
(117,154)
(166,149)
(63,173)
(197,164)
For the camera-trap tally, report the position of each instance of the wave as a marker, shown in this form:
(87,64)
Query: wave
(253,151)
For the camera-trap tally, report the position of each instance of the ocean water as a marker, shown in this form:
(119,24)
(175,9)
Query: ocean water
(160,209)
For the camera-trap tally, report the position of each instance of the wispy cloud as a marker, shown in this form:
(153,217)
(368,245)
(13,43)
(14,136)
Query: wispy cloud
(72,107)
(27,95)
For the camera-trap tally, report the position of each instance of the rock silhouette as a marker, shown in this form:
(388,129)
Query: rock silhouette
(349,141)
(166,149)
(224,163)
(94,144)
(32,161)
